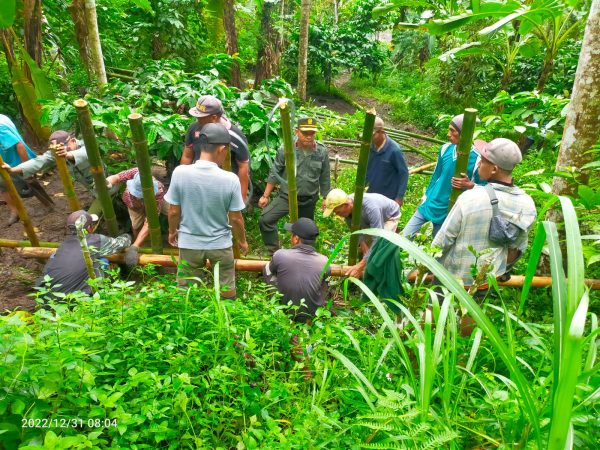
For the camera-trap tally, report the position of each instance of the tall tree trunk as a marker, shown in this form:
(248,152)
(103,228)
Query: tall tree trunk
(77,10)
(546,70)
(97,59)
(303,48)
(231,40)
(32,10)
(581,123)
(267,59)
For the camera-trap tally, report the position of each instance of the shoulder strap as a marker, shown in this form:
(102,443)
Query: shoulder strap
(493,199)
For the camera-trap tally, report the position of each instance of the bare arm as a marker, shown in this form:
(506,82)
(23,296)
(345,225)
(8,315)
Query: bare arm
(174,220)
(243,170)
(22,151)
(262,202)
(239,230)
(187,157)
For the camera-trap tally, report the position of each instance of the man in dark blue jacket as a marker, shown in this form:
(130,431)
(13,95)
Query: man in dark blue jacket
(387,172)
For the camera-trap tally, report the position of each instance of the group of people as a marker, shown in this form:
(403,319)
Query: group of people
(204,205)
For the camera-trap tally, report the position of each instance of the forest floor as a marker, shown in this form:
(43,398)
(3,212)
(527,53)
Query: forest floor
(18,274)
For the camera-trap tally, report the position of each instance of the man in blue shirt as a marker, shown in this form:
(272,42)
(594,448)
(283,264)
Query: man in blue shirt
(387,172)
(434,207)
(14,151)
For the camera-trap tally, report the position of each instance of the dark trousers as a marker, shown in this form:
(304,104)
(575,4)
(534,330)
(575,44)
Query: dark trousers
(275,210)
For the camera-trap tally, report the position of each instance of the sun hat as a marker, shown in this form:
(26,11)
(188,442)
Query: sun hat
(335,198)
(134,186)
(502,152)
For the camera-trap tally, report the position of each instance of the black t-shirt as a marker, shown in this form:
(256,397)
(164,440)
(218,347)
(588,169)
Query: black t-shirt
(239,144)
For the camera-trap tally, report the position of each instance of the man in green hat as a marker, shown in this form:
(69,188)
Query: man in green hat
(312,177)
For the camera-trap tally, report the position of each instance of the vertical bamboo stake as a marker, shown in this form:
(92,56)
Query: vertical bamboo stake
(361,177)
(145,168)
(227,166)
(96,168)
(290,159)
(81,233)
(65,177)
(18,201)
(463,149)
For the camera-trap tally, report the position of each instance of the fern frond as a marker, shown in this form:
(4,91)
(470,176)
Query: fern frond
(439,440)
(419,429)
(380,416)
(383,445)
(376,426)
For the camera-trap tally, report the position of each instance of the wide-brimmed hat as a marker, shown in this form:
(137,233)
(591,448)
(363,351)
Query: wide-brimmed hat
(134,186)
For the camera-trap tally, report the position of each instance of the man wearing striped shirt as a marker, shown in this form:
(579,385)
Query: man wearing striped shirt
(209,109)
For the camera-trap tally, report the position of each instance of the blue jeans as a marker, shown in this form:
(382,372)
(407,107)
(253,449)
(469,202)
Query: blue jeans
(415,223)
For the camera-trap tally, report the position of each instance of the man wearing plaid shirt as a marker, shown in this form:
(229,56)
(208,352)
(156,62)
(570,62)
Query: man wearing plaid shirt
(468,223)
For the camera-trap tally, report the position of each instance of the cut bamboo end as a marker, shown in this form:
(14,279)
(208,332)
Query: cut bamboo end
(80,103)
(134,116)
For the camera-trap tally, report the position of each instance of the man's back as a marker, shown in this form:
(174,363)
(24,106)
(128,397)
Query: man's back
(206,194)
(376,210)
(298,271)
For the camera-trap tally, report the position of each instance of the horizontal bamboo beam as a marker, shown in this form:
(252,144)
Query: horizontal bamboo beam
(245,265)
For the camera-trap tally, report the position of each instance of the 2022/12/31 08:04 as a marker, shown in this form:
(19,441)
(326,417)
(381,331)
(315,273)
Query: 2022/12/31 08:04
(68,423)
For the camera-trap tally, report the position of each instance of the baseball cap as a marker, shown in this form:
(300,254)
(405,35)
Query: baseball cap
(89,218)
(502,152)
(134,186)
(307,124)
(207,105)
(335,198)
(304,228)
(60,136)
(215,133)
(378,125)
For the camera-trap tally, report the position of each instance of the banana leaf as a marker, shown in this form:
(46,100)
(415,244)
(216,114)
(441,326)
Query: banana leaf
(31,108)
(43,90)
(8,11)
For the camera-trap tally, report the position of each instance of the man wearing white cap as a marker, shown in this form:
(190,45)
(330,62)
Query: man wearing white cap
(472,224)
(66,268)
(133,198)
(209,109)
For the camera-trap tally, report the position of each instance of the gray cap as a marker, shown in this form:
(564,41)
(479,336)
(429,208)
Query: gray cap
(207,105)
(89,218)
(378,125)
(502,152)
(304,228)
(215,133)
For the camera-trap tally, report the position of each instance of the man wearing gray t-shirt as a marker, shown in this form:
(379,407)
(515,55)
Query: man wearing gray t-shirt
(204,200)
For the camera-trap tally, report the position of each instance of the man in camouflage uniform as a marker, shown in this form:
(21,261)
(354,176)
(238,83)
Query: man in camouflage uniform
(312,177)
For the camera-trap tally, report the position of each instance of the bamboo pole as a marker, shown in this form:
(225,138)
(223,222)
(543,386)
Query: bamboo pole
(463,149)
(246,265)
(18,202)
(290,159)
(361,178)
(9,243)
(227,166)
(65,177)
(96,168)
(87,258)
(145,169)
(422,168)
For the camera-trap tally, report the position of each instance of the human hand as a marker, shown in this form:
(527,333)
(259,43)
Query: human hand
(356,271)
(7,167)
(462,183)
(263,201)
(173,239)
(62,151)
(243,246)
